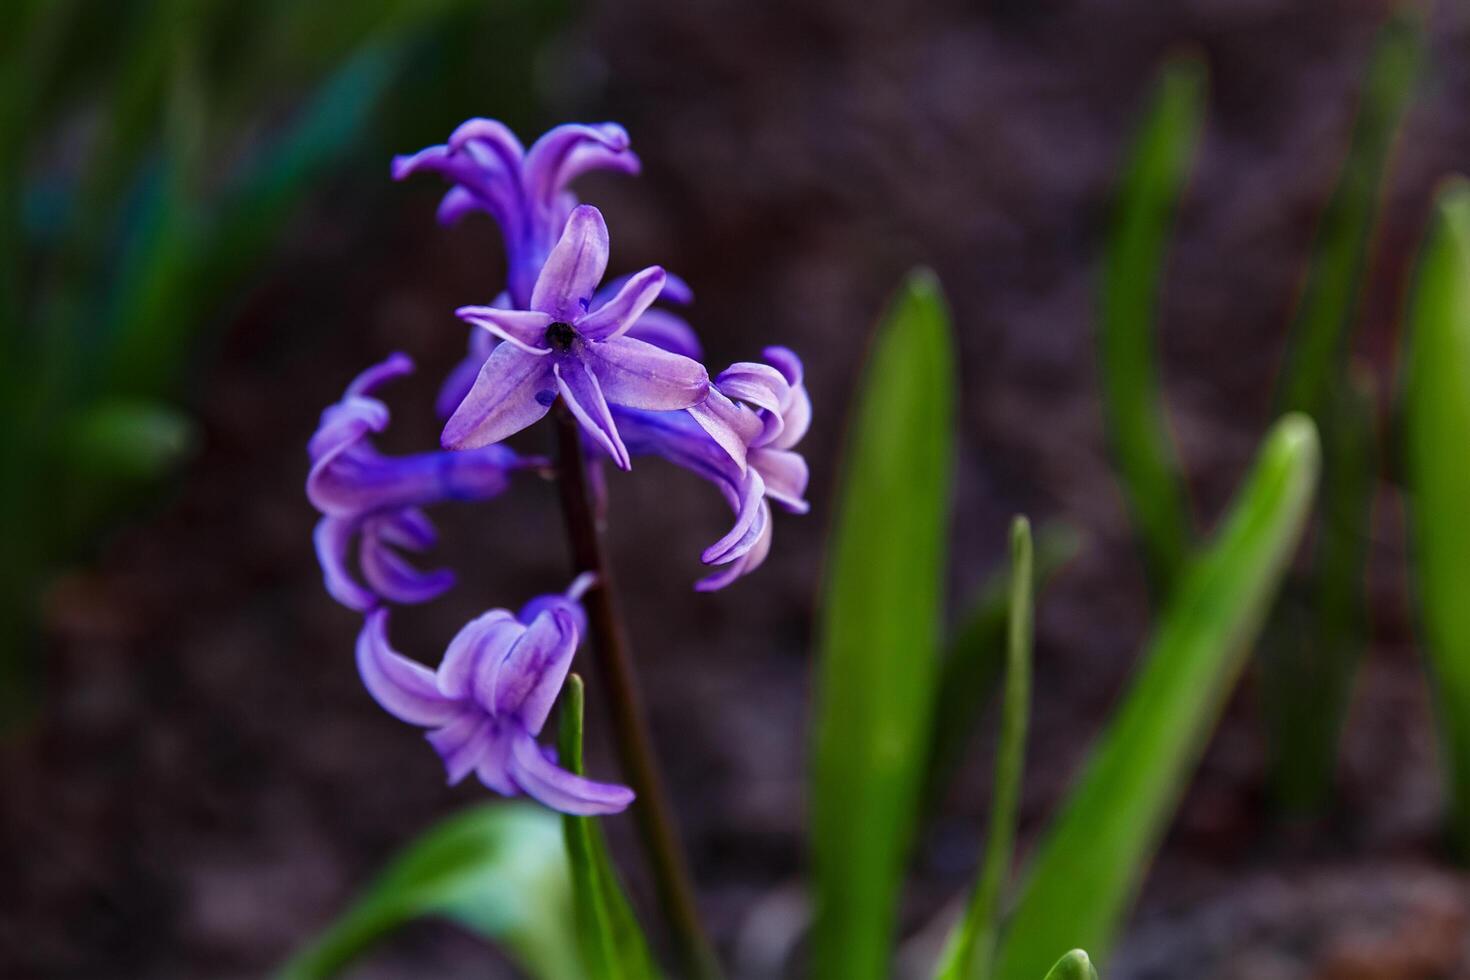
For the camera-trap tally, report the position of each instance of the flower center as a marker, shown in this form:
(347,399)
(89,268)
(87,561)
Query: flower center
(559,336)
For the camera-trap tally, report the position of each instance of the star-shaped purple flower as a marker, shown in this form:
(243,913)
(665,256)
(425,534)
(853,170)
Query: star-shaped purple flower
(565,347)
(526,191)
(490,698)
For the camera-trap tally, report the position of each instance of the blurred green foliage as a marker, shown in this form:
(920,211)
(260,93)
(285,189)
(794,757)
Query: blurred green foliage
(1437,471)
(152,154)
(880,629)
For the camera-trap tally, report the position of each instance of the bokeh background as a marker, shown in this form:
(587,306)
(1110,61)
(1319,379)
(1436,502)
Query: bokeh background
(200,783)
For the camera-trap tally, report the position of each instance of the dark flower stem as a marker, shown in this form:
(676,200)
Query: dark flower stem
(635,747)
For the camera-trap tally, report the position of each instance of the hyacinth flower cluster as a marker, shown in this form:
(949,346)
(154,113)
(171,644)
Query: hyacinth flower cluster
(559,336)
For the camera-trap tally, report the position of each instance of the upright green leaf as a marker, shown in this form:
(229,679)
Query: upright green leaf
(1089,865)
(1437,469)
(1074,966)
(1133,264)
(880,633)
(973,942)
(1315,637)
(976,656)
(499,869)
(611,943)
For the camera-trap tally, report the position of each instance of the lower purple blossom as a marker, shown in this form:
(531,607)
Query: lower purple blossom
(375,500)
(490,697)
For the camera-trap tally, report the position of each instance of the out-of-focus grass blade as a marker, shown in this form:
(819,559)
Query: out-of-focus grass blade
(1074,966)
(1329,298)
(609,937)
(498,869)
(181,263)
(1132,268)
(1437,470)
(972,943)
(880,633)
(975,657)
(1314,639)
(1089,865)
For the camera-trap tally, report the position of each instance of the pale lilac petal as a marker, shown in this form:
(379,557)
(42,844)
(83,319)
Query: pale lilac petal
(494,767)
(513,390)
(749,522)
(404,688)
(559,789)
(759,384)
(583,395)
(495,186)
(797,416)
(344,424)
(664,329)
(524,328)
(614,317)
(333,538)
(785,474)
(396,365)
(482,641)
(675,290)
(574,268)
(531,675)
(784,359)
(733,427)
(639,375)
(463,744)
(407,528)
(489,136)
(393,578)
(461,377)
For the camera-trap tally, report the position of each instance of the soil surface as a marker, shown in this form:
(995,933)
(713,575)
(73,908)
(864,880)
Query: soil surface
(208,783)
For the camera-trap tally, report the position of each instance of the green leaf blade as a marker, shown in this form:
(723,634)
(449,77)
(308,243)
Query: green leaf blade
(1133,402)
(1091,862)
(611,942)
(1437,470)
(972,944)
(880,634)
(1074,966)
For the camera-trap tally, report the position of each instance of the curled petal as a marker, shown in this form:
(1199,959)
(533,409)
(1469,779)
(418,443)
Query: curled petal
(455,204)
(759,384)
(524,328)
(494,767)
(333,538)
(749,522)
(488,136)
(785,474)
(613,318)
(476,650)
(664,329)
(463,744)
(396,365)
(513,390)
(583,395)
(675,290)
(639,375)
(395,579)
(733,427)
(574,268)
(744,565)
(404,688)
(784,359)
(559,789)
(797,418)
(495,186)
(345,424)
(567,151)
(531,675)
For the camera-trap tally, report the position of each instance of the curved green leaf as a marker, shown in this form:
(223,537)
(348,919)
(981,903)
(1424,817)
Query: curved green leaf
(1437,467)
(1133,402)
(1091,861)
(880,634)
(1074,966)
(498,869)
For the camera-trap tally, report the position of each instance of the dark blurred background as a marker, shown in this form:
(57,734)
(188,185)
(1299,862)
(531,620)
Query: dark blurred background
(202,783)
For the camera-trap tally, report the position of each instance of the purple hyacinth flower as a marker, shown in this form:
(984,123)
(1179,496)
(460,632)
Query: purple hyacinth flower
(526,191)
(563,347)
(741,439)
(375,500)
(662,328)
(490,698)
